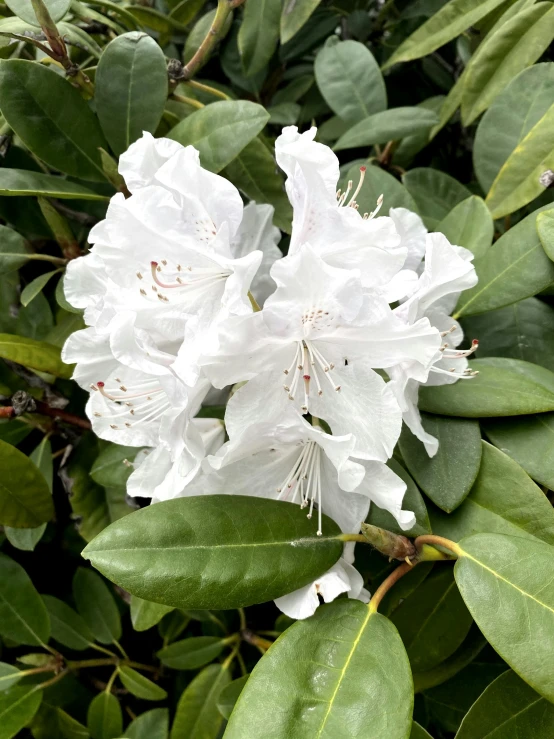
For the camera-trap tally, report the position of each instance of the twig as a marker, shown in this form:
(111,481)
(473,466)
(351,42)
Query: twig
(8,411)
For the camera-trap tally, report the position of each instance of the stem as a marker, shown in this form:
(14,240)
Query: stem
(59,415)
(386,585)
(440,541)
(81,664)
(242,619)
(102,649)
(352,537)
(224,9)
(206,88)
(140,666)
(242,664)
(111,680)
(53,680)
(255,307)
(123,652)
(47,258)
(187,101)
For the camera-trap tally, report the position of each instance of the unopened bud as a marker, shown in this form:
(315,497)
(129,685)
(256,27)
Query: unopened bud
(389,544)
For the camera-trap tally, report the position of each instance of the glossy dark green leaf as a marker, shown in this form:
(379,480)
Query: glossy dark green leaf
(104,717)
(96,605)
(254,172)
(503,387)
(510,118)
(230,695)
(508,709)
(469,224)
(524,330)
(545,229)
(197,716)
(18,182)
(362,680)
(413,501)
(350,80)
(506,582)
(68,627)
(448,476)
(221,130)
(24,539)
(25,499)
(378,182)
(9,675)
(51,118)
(145,614)
(503,500)
(295,16)
(214,551)
(130,89)
(109,468)
(17,707)
(404,588)
(23,616)
(35,287)
(389,125)
(51,721)
(435,193)
(450,21)
(24,10)
(139,685)
(191,653)
(433,621)
(419,732)
(36,355)
(13,249)
(153,724)
(259,34)
(172,625)
(529,441)
(154,19)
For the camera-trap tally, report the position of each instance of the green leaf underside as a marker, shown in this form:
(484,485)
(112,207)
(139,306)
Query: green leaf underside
(341,670)
(201,552)
(506,582)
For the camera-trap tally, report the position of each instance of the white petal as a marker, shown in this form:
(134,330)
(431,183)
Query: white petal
(91,353)
(386,489)
(412,233)
(140,163)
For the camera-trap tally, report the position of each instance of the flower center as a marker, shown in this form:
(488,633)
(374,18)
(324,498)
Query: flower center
(309,363)
(303,483)
(343,201)
(448,353)
(140,403)
(169,278)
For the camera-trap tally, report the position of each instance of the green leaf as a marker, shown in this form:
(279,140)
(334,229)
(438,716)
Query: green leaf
(378,182)
(140,686)
(503,500)
(191,653)
(518,182)
(186,10)
(469,224)
(506,582)
(109,468)
(230,695)
(51,118)
(51,721)
(503,387)
(172,625)
(254,172)
(510,118)
(529,441)
(24,10)
(350,80)
(197,716)
(17,708)
(448,476)
(413,501)
(433,621)
(434,192)
(25,500)
(31,290)
(18,182)
(259,34)
(362,680)
(524,330)
(23,616)
(96,605)
(389,125)
(221,130)
(68,628)
(214,552)
(153,724)
(9,675)
(152,18)
(545,229)
(514,46)
(36,355)
(13,249)
(145,614)
(405,152)
(130,89)
(508,708)
(294,16)
(514,268)
(418,732)
(104,717)
(450,21)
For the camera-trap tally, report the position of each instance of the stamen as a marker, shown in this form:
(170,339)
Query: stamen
(352,201)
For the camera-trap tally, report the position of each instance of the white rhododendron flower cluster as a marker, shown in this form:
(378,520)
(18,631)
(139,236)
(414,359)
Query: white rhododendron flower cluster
(185,292)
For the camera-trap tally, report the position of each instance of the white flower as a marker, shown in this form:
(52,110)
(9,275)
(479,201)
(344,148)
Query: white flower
(329,221)
(315,344)
(447,271)
(341,578)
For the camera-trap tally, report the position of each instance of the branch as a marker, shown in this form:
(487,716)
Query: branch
(8,411)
